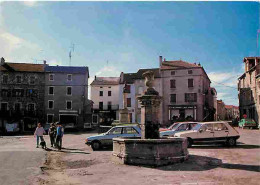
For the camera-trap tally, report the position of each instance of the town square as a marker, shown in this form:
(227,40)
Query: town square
(129,92)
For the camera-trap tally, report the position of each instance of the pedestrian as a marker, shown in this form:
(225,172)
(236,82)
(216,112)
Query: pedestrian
(39,131)
(52,134)
(59,136)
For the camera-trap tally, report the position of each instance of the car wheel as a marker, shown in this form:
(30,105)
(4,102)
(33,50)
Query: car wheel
(231,142)
(189,142)
(96,145)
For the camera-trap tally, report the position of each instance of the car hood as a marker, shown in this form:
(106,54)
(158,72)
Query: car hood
(96,136)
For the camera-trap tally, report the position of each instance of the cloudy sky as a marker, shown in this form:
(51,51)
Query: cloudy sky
(110,37)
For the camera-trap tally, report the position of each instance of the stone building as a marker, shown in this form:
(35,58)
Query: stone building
(21,94)
(232,112)
(105,95)
(221,110)
(249,89)
(185,88)
(66,95)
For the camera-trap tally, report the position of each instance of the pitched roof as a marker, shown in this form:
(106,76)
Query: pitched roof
(106,81)
(130,77)
(23,67)
(66,69)
(177,64)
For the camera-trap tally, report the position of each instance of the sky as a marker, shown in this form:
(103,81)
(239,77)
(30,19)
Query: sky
(114,37)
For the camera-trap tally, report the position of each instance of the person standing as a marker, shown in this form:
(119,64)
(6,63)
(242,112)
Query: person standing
(59,136)
(39,131)
(52,134)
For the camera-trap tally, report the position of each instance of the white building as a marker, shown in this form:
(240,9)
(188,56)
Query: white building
(105,95)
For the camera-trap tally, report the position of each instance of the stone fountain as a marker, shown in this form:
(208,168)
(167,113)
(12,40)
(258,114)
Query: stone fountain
(150,150)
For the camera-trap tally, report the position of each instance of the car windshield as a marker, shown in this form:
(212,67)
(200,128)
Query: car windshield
(174,126)
(197,127)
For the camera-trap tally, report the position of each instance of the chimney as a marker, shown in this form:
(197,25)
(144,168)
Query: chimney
(160,61)
(44,62)
(199,64)
(95,77)
(164,59)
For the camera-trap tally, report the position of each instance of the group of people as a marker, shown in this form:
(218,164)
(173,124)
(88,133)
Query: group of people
(55,132)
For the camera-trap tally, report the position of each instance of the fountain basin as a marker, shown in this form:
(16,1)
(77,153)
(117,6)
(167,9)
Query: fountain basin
(149,152)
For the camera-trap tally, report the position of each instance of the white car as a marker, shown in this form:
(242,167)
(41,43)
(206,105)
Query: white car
(177,127)
(211,132)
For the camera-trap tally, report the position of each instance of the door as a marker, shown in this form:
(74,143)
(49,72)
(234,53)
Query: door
(220,132)
(205,134)
(129,132)
(113,133)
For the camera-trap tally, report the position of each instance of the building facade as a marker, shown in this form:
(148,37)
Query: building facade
(232,112)
(249,89)
(221,110)
(185,88)
(21,94)
(66,95)
(105,97)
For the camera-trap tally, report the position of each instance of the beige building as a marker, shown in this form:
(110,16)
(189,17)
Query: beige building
(105,95)
(249,89)
(221,110)
(232,112)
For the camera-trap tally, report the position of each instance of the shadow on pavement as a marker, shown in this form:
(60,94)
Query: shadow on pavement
(64,150)
(203,163)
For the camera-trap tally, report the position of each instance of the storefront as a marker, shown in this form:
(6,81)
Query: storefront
(182,112)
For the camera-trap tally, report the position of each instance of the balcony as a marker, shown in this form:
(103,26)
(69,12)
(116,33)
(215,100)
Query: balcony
(106,107)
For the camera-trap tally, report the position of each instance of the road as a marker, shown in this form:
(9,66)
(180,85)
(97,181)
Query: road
(20,160)
(78,164)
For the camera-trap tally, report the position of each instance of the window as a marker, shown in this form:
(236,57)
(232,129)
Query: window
(51,77)
(101,87)
(6,93)
(69,91)
(190,97)
(172,72)
(128,102)
(17,107)
(17,93)
(183,127)
(220,127)
(50,104)
(94,118)
(4,106)
(109,93)
(32,93)
(109,87)
(51,90)
(172,83)
(116,130)
(173,98)
(5,79)
(69,77)
(69,105)
(109,105)
(189,72)
(50,118)
(100,93)
(207,127)
(190,82)
(31,107)
(100,105)
(18,79)
(32,80)
(127,88)
(140,90)
(129,130)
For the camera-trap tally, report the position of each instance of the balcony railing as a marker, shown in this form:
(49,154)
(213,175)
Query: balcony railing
(106,107)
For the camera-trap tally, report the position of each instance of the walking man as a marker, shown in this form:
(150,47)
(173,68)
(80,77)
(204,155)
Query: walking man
(52,134)
(59,136)
(39,133)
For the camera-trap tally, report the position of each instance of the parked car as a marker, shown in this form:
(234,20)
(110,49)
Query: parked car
(247,123)
(169,128)
(178,127)
(210,132)
(106,139)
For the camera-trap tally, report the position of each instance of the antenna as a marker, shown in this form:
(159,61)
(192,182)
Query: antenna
(71,50)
